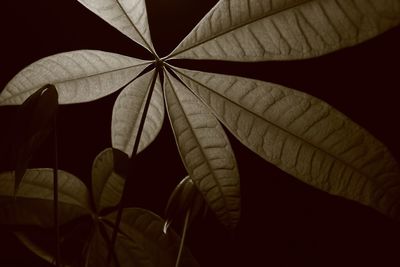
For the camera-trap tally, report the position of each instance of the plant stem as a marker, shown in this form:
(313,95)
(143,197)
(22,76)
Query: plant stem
(134,152)
(184,230)
(55,192)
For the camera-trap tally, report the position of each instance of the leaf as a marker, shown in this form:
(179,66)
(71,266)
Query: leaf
(128,16)
(80,76)
(35,248)
(33,204)
(35,123)
(257,30)
(40,107)
(141,241)
(205,151)
(185,197)
(74,238)
(128,110)
(97,251)
(304,137)
(107,184)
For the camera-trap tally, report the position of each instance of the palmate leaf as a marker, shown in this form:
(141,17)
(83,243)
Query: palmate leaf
(79,76)
(128,110)
(303,136)
(107,184)
(128,16)
(205,151)
(33,204)
(257,30)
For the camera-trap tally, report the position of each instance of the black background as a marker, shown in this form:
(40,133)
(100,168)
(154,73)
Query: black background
(284,222)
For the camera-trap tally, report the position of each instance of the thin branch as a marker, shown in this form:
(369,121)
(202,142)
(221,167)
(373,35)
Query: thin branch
(55,192)
(185,226)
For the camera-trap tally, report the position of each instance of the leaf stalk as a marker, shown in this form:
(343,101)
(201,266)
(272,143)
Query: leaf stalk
(184,230)
(55,192)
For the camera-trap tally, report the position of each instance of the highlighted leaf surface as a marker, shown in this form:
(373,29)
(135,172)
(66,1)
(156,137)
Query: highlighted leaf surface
(303,136)
(257,30)
(79,76)
(128,16)
(128,110)
(205,151)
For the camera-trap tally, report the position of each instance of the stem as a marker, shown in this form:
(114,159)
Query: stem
(184,230)
(134,152)
(55,193)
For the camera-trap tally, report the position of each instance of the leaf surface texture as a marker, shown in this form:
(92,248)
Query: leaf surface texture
(258,30)
(107,185)
(33,204)
(304,137)
(205,151)
(128,110)
(128,16)
(79,76)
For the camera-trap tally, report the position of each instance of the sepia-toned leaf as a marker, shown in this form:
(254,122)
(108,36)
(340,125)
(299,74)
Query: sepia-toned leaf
(33,203)
(73,241)
(141,241)
(128,110)
(128,16)
(79,76)
(303,136)
(96,255)
(185,198)
(35,248)
(257,30)
(205,151)
(107,184)
(35,123)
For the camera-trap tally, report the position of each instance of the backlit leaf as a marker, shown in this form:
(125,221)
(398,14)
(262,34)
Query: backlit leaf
(303,136)
(79,76)
(205,151)
(128,110)
(128,16)
(256,30)
(33,204)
